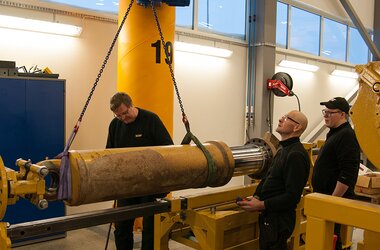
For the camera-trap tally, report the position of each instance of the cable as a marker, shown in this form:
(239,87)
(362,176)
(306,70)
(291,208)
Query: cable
(109,229)
(298,100)
(269,112)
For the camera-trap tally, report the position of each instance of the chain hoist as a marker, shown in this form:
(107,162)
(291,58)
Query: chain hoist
(64,190)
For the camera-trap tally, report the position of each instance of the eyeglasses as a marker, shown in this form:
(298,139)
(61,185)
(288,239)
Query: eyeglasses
(286,117)
(329,113)
(122,115)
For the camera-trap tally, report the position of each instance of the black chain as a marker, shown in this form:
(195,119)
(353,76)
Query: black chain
(167,61)
(105,61)
(189,136)
(99,74)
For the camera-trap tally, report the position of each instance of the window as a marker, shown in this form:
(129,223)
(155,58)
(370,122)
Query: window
(334,40)
(339,41)
(304,31)
(184,16)
(103,6)
(358,52)
(282,25)
(224,17)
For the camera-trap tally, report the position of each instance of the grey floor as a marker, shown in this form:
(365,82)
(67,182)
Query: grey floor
(94,238)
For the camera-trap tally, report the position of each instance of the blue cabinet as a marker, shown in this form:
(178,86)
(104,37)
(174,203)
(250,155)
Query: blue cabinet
(32,127)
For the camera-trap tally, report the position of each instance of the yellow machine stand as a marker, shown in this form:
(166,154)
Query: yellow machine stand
(204,226)
(365,115)
(219,226)
(371,240)
(345,231)
(323,211)
(5,243)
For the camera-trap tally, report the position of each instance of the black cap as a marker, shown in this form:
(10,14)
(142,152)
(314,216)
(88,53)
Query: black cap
(337,103)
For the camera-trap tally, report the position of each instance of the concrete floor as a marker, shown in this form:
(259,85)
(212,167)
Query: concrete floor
(94,238)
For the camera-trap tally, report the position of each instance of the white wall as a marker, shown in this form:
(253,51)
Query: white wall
(311,88)
(213,94)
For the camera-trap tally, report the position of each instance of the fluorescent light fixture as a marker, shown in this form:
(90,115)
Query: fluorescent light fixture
(298,65)
(203,50)
(39,26)
(344,73)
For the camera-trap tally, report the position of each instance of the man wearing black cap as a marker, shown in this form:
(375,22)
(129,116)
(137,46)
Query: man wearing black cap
(336,168)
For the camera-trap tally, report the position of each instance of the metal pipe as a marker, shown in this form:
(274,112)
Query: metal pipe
(77,221)
(108,174)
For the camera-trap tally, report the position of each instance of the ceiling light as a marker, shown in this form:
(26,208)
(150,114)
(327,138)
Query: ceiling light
(298,65)
(39,26)
(344,73)
(203,50)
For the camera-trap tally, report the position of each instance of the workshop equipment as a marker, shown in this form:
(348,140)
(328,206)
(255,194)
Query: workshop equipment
(108,174)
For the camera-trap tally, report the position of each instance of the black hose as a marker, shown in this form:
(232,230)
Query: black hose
(109,229)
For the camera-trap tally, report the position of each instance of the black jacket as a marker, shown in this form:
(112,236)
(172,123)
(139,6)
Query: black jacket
(146,130)
(282,187)
(338,160)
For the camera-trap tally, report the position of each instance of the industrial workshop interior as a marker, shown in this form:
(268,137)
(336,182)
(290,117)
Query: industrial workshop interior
(226,78)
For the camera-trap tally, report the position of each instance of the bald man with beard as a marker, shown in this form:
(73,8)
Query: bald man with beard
(279,192)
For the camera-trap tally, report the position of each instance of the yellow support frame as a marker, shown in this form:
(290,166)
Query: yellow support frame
(5,242)
(323,211)
(299,229)
(221,225)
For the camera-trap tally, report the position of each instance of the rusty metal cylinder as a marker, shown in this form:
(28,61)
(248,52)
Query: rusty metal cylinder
(108,174)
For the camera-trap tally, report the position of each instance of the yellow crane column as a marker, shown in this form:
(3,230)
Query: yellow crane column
(142,70)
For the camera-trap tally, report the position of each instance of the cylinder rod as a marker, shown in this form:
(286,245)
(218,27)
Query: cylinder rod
(252,158)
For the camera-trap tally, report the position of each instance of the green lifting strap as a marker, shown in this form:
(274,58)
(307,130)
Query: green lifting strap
(210,160)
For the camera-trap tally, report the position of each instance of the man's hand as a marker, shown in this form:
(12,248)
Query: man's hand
(340,189)
(251,204)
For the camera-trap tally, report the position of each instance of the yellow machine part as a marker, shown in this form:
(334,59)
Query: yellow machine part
(214,219)
(5,242)
(323,210)
(142,71)
(108,174)
(366,111)
(3,189)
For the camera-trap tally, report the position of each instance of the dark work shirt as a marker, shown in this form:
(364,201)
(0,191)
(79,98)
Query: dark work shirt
(282,187)
(146,130)
(338,160)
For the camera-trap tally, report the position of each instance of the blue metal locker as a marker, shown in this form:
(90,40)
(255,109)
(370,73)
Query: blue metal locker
(32,127)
